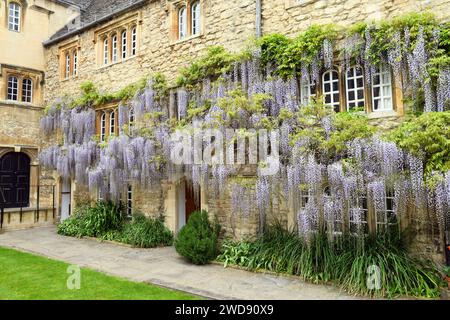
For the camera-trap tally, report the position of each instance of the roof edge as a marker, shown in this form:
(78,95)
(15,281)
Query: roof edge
(93,23)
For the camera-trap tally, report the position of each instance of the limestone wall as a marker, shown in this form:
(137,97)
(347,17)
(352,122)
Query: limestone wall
(292,16)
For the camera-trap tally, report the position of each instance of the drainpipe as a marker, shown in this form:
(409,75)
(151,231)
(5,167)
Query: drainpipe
(258,19)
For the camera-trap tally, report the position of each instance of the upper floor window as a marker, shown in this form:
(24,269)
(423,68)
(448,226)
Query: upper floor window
(382,89)
(187,19)
(133,41)
(105,51)
(330,87)
(124,44)
(354,80)
(68,61)
(14,17)
(114,48)
(182,22)
(27,90)
(67,65)
(13,88)
(195,18)
(103,127)
(75,62)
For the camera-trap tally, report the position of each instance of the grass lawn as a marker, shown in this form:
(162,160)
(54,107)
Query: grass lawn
(26,276)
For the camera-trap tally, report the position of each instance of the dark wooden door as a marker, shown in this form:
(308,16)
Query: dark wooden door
(15,180)
(191,204)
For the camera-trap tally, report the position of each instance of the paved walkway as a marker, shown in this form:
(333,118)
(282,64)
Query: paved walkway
(163,266)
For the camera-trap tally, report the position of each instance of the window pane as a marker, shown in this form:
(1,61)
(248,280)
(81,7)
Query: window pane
(351,95)
(350,84)
(336,86)
(376,91)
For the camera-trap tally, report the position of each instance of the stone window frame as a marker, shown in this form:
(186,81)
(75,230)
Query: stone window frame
(69,59)
(117,28)
(174,8)
(397,94)
(21,74)
(106,111)
(22,7)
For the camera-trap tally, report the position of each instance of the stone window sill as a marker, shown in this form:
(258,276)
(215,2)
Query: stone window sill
(69,78)
(179,41)
(105,66)
(21,104)
(382,114)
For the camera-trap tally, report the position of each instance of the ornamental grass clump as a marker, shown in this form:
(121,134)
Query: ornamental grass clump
(146,232)
(348,261)
(197,240)
(93,221)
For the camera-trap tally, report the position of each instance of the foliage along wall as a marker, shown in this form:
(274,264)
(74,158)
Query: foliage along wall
(334,166)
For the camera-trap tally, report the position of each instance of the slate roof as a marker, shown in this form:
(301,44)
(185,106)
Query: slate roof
(92,12)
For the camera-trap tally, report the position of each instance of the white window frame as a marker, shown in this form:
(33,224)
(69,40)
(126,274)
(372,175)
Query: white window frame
(13,88)
(27,90)
(133,41)
(112,122)
(105,51)
(362,203)
(103,127)
(67,75)
(129,201)
(14,12)
(182,22)
(114,48)
(385,98)
(306,92)
(124,41)
(354,77)
(196,18)
(387,211)
(75,62)
(332,92)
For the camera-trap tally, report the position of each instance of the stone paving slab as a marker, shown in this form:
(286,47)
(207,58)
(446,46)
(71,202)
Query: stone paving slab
(163,266)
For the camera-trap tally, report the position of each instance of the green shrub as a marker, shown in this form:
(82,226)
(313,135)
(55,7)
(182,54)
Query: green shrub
(426,137)
(93,221)
(146,232)
(197,240)
(344,262)
(71,227)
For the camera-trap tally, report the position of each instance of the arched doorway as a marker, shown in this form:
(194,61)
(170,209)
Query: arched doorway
(15,180)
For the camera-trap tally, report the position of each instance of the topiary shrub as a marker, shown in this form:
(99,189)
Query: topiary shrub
(144,232)
(197,240)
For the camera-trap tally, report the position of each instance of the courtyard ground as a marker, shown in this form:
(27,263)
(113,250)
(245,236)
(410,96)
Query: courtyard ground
(163,267)
(26,276)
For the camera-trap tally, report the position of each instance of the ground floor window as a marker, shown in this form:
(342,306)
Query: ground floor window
(129,201)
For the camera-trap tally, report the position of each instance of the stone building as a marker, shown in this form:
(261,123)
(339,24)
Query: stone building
(114,43)
(24,26)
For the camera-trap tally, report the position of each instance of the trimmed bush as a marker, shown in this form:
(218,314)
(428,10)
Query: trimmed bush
(197,240)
